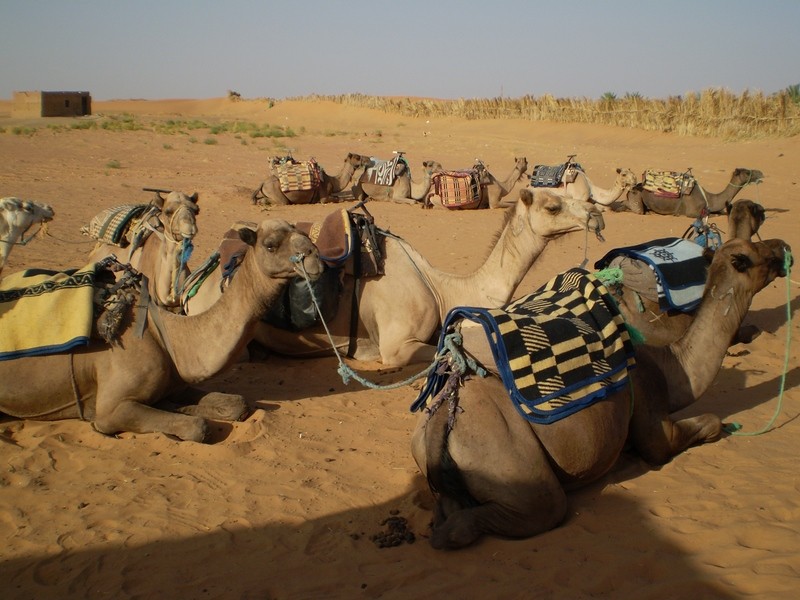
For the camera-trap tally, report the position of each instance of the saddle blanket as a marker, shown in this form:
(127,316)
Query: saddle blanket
(44,312)
(297,176)
(384,172)
(551,176)
(112,225)
(679,267)
(459,190)
(669,184)
(558,350)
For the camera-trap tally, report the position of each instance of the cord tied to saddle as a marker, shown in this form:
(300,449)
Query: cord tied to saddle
(734,428)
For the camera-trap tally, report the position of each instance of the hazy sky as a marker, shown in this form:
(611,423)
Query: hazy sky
(436,48)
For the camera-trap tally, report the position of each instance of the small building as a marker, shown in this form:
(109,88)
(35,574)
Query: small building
(51,104)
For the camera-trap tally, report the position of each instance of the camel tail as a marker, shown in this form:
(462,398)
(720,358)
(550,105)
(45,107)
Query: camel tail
(444,476)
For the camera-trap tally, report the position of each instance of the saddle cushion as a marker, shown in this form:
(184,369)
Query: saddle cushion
(384,172)
(551,176)
(679,267)
(558,350)
(669,184)
(113,224)
(458,190)
(297,176)
(44,312)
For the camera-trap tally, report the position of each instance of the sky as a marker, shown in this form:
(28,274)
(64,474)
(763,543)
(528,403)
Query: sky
(159,49)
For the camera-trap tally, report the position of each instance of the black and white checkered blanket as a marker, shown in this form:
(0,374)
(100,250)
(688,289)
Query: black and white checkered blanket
(558,350)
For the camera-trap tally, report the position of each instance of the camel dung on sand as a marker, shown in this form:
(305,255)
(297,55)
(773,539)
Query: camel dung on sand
(494,472)
(17,216)
(157,243)
(402,188)
(694,204)
(400,311)
(116,386)
(271,191)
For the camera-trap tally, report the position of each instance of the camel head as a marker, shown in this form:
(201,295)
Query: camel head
(742,177)
(178,215)
(521,164)
(17,216)
(358,160)
(282,251)
(626,178)
(745,218)
(550,215)
(431,167)
(744,268)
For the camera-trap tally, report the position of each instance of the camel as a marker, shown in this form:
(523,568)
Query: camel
(494,472)
(402,189)
(495,190)
(269,192)
(638,299)
(17,216)
(641,201)
(115,386)
(400,311)
(583,188)
(162,256)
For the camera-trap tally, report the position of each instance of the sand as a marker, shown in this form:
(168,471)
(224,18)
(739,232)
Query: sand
(284,504)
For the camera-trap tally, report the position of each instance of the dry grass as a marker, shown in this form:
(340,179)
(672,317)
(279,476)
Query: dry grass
(713,112)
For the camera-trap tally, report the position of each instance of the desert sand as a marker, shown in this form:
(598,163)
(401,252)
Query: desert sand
(284,504)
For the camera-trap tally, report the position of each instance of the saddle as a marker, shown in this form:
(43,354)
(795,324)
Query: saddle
(557,350)
(458,190)
(296,176)
(121,225)
(677,265)
(668,184)
(554,176)
(384,172)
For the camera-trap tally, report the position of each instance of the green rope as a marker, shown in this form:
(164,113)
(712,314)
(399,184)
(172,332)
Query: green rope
(734,428)
(615,276)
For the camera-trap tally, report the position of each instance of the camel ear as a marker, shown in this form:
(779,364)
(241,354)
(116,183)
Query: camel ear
(248,236)
(526,196)
(619,170)
(194,197)
(741,262)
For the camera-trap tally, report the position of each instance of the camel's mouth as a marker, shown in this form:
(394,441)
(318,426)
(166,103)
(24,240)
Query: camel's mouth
(596,224)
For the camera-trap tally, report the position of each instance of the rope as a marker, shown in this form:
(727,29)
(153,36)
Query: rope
(345,372)
(734,428)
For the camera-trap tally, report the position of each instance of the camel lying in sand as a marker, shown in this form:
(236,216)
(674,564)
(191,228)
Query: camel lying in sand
(492,190)
(494,472)
(641,201)
(17,216)
(574,183)
(641,308)
(115,386)
(270,192)
(400,311)
(162,257)
(402,188)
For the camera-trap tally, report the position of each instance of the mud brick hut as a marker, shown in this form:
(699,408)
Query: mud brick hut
(51,104)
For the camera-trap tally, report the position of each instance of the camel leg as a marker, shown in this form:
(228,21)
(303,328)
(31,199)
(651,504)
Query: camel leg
(405,353)
(216,406)
(140,418)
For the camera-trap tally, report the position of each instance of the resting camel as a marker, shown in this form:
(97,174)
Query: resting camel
(269,192)
(403,189)
(640,200)
(162,256)
(641,308)
(494,472)
(115,386)
(493,192)
(17,216)
(583,188)
(400,311)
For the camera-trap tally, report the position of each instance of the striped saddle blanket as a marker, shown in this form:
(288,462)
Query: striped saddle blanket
(552,176)
(458,190)
(117,225)
(558,350)
(297,175)
(669,184)
(679,266)
(384,172)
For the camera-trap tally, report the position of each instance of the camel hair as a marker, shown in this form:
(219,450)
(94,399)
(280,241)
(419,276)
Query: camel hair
(400,311)
(269,192)
(403,190)
(641,309)
(493,472)
(115,386)
(160,257)
(17,216)
(641,201)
